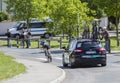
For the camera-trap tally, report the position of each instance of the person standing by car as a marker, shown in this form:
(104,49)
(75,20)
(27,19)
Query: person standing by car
(8,34)
(107,39)
(28,36)
(23,37)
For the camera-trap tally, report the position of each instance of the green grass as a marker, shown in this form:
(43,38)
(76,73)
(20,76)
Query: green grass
(114,44)
(9,67)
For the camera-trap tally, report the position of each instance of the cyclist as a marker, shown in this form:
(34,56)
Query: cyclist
(46,48)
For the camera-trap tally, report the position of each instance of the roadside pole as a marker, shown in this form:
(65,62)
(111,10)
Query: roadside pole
(17,42)
(109,46)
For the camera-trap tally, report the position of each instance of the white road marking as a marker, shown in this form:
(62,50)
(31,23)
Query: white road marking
(59,58)
(44,59)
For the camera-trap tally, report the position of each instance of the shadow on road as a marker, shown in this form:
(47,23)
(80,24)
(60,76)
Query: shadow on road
(82,66)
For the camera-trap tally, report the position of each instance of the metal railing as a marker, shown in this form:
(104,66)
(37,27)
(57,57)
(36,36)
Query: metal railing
(38,40)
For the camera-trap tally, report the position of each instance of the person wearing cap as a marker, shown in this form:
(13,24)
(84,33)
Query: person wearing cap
(107,39)
(28,36)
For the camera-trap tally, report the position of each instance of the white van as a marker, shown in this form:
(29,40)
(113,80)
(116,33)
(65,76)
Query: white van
(36,28)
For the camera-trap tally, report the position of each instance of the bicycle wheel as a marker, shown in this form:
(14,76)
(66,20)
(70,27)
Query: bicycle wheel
(49,56)
(46,55)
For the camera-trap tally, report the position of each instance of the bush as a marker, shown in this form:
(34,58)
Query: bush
(0,19)
(3,16)
(112,26)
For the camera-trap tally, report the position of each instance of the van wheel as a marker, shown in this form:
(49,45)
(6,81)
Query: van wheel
(47,35)
(17,36)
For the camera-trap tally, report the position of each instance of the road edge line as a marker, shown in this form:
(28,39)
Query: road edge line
(59,79)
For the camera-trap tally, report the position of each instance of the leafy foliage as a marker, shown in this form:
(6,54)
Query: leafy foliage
(21,9)
(67,15)
(3,16)
(110,7)
(97,12)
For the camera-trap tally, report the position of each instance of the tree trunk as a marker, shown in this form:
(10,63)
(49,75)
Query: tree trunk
(28,23)
(117,36)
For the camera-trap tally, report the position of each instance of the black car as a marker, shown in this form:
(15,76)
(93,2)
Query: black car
(84,52)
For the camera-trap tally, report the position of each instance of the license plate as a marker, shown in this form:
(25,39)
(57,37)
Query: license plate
(91,56)
(86,56)
(90,52)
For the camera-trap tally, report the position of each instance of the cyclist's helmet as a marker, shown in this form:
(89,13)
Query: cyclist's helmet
(46,45)
(42,42)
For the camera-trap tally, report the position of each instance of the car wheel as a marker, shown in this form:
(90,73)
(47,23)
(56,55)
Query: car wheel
(63,61)
(103,64)
(65,64)
(17,36)
(47,35)
(72,65)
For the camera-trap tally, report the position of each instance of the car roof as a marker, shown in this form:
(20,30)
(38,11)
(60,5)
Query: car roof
(85,40)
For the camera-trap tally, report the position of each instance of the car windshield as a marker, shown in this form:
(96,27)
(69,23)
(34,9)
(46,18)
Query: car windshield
(88,44)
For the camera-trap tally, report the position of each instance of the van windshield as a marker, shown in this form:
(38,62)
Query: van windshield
(17,25)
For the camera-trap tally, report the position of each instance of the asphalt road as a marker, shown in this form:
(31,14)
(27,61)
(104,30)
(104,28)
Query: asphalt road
(108,74)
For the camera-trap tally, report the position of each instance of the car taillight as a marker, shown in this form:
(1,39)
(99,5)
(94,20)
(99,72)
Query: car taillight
(78,51)
(101,50)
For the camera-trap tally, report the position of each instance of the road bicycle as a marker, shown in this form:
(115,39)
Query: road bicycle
(47,52)
(97,31)
(48,55)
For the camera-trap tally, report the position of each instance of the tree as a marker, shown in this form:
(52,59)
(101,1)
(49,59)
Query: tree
(21,9)
(111,8)
(98,11)
(68,15)
(3,16)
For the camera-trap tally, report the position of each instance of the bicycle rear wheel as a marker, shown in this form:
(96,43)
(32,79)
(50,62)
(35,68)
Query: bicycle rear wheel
(48,56)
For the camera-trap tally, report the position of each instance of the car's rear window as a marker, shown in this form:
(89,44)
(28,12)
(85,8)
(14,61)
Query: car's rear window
(88,44)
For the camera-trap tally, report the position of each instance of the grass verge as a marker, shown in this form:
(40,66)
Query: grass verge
(9,67)
(114,44)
